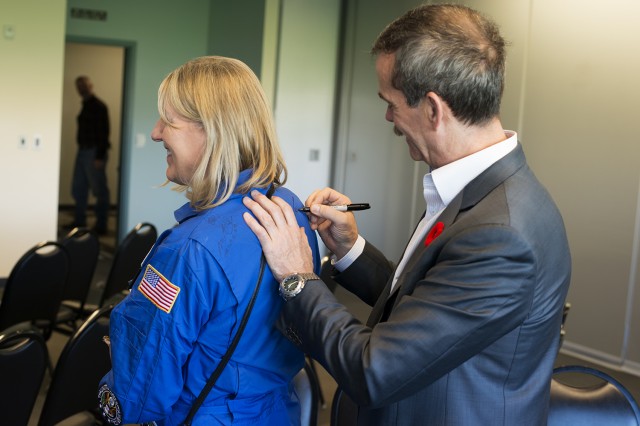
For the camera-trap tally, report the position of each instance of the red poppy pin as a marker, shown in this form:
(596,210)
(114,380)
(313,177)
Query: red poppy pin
(433,233)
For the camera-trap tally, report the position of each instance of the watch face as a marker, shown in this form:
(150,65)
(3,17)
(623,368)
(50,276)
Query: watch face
(291,282)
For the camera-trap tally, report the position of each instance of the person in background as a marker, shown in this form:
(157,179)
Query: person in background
(91,160)
(465,329)
(169,334)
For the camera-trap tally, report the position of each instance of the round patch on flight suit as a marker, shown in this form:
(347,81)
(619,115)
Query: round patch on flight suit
(109,406)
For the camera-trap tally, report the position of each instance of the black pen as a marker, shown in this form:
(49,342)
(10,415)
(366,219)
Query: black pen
(343,207)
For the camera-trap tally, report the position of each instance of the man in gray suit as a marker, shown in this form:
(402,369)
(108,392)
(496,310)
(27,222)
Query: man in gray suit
(465,330)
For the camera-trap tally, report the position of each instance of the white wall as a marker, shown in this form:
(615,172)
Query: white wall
(581,102)
(306,64)
(30,107)
(373,164)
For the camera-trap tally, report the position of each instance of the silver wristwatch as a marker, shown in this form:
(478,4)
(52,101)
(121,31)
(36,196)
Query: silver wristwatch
(293,284)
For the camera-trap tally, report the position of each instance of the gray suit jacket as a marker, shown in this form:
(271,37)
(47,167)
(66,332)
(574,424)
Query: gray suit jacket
(471,334)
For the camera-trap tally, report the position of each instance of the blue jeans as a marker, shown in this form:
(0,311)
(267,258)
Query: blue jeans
(85,176)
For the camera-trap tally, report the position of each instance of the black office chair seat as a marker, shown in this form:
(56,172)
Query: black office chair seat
(84,360)
(33,291)
(307,388)
(126,262)
(83,247)
(344,412)
(598,400)
(23,361)
(127,259)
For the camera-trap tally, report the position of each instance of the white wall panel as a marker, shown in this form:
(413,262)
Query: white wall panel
(581,105)
(305,90)
(31,52)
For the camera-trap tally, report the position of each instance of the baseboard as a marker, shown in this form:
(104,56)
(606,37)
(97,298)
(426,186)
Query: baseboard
(71,207)
(601,358)
(633,368)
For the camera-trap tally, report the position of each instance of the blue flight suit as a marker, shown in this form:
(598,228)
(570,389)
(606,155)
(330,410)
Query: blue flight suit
(170,332)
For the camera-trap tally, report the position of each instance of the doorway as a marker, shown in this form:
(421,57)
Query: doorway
(105,67)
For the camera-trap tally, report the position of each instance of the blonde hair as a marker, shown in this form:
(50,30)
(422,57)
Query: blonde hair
(225,97)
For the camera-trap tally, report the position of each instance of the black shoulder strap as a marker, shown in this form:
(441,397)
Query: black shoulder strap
(227,356)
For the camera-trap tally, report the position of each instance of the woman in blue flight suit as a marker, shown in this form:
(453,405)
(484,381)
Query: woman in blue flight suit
(171,331)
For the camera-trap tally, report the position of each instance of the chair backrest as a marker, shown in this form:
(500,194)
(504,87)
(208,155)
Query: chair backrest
(34,288)
(344,412)
(592,398)
(84,360)
(83,247)
(325,273)
(127,259)
(23,361)
(565,312)
(307,388)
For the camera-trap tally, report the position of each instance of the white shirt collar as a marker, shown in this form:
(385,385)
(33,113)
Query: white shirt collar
(450,179)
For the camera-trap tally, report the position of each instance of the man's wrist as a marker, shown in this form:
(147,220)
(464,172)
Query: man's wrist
(293,284)
(345,261)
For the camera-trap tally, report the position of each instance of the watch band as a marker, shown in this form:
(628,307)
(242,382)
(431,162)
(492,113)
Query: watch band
(309,276)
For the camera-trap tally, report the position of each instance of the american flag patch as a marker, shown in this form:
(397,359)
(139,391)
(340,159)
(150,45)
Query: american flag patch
(158,289)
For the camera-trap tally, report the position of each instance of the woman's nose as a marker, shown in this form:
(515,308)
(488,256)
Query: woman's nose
(156,132)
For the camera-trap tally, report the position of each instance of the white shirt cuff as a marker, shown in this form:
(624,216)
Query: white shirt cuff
(350,257)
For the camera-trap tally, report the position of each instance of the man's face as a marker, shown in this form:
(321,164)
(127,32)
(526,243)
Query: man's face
(407,121)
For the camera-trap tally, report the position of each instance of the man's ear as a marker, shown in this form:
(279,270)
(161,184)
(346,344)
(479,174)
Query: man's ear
(434,109)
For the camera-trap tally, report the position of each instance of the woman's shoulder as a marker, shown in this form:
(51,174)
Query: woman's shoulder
(220,228)
(289,196)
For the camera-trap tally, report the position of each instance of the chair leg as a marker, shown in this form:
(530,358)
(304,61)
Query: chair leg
(321,399)
(49,365)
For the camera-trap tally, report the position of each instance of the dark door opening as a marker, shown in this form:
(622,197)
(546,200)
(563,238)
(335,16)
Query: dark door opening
(105,66)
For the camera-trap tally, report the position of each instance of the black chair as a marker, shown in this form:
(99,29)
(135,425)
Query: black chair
(127,260)
(307,388)
(83,247)
(34,288)
(325,273)
(565,312)
(84,360)
(126,264)
(584,396)
(23,361)
(344,412)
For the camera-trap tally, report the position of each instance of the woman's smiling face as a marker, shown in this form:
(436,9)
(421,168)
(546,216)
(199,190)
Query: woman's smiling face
(184,141)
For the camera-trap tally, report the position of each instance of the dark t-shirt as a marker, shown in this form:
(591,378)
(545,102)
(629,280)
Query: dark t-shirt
(93,126)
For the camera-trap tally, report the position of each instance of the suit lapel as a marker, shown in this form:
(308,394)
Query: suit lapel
(378,309)
(421,258)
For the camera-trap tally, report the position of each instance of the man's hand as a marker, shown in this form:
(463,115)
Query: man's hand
(338,230)
(99,164)
(284,243)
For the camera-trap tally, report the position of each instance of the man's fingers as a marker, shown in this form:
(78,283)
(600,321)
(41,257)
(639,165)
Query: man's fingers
(261,233)
(269,214)
(263,217)
(329,213)
(326,196)
(287,211)
(283,241)
(274,210)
